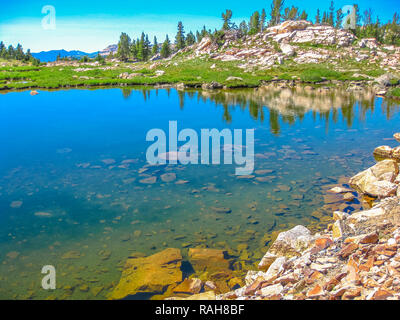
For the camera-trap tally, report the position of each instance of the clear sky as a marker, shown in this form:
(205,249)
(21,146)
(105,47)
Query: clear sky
(90,25)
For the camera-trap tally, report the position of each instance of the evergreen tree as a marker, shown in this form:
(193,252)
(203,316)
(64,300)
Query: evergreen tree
(331,14)
(318,17)
(204,32)
(124,45)
(198,36)
(254,26)
(324,18)
(2,47)
(19,53)
(243,28)
(155,50)
(263,19)
(134,49)
(293,13)
(165,49)
(146,48)
(226,17)
(276,9)
(190,39)
(180,37)
(304,15)
(339,18)
(10,52)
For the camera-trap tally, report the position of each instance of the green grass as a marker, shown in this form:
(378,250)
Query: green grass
(193,72)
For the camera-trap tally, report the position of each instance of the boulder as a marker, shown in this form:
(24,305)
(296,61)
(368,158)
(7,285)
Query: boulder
(288,244)
(377,181)
(287,49)
(211,86)
(231,78)
(211,260)
(151,274)
(397,136)
(370,43)
(384,152)
(387,80)
(189,286)
(290,26)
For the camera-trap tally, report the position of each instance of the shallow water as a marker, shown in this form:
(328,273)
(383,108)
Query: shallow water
(71,163)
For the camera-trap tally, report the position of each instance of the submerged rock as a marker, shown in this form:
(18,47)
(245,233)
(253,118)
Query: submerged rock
(168,177)
(149,180)
(16,204)
(211,260)
(152,274)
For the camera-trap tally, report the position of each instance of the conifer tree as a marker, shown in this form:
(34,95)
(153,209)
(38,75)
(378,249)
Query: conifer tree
(339,19)
(318,17)
(254,23)
(180,37)
(190,39)
(276,9)
(263,19)
(165,49)
(124,45)
(154,50)
(226,17)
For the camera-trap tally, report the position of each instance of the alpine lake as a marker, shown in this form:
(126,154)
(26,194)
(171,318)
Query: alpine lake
(76,191)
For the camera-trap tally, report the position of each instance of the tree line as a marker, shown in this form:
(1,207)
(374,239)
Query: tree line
(142,50)
(17,53)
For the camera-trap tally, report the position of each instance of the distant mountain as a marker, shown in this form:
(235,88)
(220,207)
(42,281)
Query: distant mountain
(48,56)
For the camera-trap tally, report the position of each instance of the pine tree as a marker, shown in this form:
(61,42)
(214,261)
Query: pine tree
(331,14)
(304,15)
(243,28)
(324,18)
(134,49)
(124,45)
(263,19)
(155,50)
(146,48)
(226,17)
(276,9)
(254,23)
(180,37)
(190,39)
(318,17)
(165,49)
(339,18)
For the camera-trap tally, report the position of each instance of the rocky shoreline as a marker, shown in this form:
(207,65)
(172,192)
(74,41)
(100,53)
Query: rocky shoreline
(356,257)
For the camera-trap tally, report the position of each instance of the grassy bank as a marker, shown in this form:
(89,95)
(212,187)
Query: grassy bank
(193,72)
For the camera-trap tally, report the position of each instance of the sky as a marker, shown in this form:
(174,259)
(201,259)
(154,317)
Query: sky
(90,26)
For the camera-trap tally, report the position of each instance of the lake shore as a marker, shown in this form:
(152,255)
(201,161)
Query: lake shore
(357,257)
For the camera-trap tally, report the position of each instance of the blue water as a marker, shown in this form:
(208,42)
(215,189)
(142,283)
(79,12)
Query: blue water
(57,195)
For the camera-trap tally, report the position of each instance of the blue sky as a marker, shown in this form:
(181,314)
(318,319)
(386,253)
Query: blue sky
(90,26)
